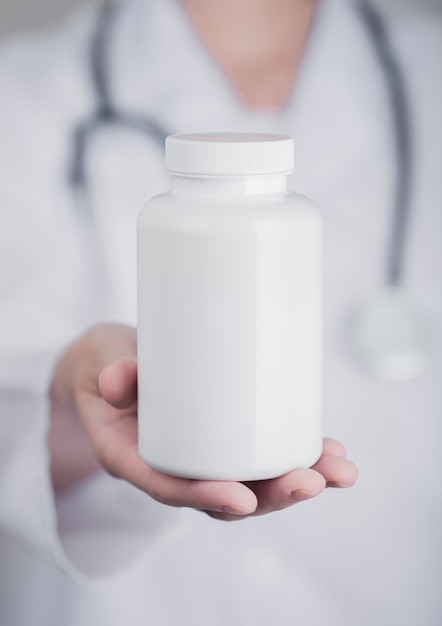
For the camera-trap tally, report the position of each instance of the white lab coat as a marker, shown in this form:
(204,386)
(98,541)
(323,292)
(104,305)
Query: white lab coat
(105,554)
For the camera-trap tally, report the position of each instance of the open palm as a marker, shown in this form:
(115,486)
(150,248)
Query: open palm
(106,400)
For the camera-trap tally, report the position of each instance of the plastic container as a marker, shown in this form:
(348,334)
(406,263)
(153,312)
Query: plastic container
(229,313)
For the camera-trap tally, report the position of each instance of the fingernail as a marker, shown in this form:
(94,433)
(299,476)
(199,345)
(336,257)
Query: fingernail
(101,376)
(99,379)
(234,510)
(300,494)
(340,485)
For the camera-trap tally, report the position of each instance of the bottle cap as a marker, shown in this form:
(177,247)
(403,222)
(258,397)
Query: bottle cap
(229,154)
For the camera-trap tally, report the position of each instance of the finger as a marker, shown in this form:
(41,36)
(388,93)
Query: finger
(118,383)
(120,457)
(226,497)
(337,472)
(280,490)
(332,447)
(279,493)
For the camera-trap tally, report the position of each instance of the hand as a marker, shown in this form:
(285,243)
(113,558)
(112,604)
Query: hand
(103,368)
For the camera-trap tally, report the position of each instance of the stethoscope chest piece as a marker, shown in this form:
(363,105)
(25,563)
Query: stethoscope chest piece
(389,336)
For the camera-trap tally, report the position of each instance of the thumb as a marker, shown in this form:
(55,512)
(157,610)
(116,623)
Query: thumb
(118,383)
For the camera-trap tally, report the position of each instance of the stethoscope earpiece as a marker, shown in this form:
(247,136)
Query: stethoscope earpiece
(389,336)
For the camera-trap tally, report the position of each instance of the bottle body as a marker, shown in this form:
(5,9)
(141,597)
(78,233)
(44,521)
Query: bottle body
(229,329)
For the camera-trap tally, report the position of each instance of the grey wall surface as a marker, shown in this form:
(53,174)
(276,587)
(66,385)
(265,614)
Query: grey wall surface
(23,15)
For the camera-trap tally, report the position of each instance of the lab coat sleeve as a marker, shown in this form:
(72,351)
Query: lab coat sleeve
(33,314)
(26,511)
(34,328)
(102,526)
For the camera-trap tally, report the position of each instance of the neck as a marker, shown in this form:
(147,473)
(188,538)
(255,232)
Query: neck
(257,43)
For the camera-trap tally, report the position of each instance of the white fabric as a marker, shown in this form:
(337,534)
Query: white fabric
(371,555)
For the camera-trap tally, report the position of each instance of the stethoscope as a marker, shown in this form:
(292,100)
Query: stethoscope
(386,331)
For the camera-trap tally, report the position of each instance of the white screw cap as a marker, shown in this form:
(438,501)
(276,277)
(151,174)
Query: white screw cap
(229,154)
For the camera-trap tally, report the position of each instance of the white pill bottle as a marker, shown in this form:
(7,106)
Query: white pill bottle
(229,313)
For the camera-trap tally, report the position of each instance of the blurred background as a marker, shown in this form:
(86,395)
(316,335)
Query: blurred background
(25,15)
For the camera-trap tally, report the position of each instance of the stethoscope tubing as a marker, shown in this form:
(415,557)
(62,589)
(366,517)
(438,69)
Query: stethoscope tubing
(401,120)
